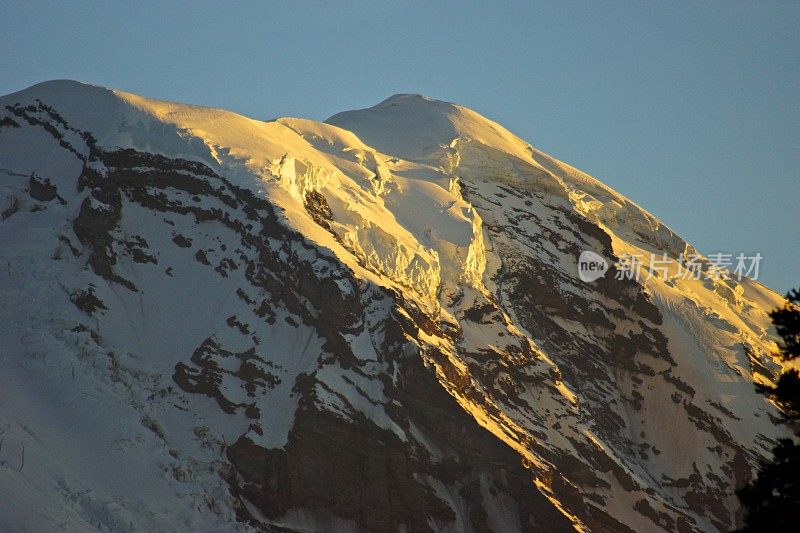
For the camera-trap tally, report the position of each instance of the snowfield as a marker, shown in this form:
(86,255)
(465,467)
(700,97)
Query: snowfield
(215,323)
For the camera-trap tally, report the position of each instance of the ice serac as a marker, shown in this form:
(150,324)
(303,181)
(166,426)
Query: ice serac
(369,323)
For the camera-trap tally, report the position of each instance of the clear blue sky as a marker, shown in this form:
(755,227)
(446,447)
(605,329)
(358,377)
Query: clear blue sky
(690,109)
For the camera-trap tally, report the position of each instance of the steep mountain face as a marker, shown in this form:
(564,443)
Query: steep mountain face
(373,323)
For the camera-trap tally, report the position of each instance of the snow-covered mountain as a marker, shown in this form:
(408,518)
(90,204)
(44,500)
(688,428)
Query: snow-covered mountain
(373,323)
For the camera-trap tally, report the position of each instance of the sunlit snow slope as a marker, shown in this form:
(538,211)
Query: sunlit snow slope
(209,322)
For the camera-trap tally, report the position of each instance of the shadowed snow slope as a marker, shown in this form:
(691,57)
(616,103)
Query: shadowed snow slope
(210,322)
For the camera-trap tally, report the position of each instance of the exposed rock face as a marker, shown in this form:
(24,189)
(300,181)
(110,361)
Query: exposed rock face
(320,331)
(370,477)
(42,190)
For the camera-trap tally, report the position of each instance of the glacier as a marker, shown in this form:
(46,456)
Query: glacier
(375,322)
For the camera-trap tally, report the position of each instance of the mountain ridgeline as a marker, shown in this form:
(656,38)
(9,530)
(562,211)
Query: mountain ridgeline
(372,323)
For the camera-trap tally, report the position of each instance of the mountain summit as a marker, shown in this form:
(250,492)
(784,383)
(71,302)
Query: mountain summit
(372,323)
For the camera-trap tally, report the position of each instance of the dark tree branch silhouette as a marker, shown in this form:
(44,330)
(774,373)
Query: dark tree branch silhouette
(772,500)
